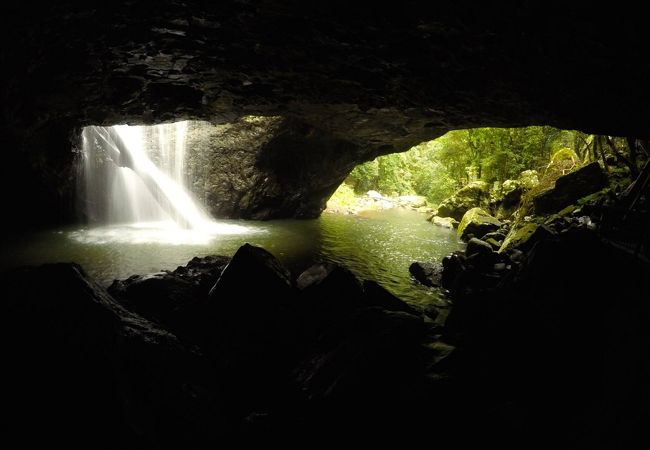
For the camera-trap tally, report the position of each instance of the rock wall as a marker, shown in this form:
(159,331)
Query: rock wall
(267,167)
(380,78)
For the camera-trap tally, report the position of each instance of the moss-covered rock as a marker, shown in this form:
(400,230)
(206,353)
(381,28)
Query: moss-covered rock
(569,188)
(477,222)
(525,236)
(528,179)
(475,194)
(506,203)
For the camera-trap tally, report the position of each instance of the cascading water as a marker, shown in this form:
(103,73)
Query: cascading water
(134,176)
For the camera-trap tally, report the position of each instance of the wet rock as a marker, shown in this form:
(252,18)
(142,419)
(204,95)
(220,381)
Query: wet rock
(176,298)
(477,247)
(73,355)
(377,295)
(426,273)
(475,194)
(476,222)
(571,187)
(452,268)
(445,222)
(314,275)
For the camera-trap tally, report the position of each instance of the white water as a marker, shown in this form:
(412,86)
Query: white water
(137,188)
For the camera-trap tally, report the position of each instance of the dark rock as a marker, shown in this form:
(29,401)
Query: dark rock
(252,270)
(314,275)
(426,273)
(362,356)
(333,293)
(175,299)
(477,247)
(73,355)
(452,268)
(377,295)
(496,235)
(571,187)
(476,223)
(256,168)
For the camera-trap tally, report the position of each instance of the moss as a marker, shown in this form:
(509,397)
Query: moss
(518,236)
(476,221)
(594,196)
(566,211)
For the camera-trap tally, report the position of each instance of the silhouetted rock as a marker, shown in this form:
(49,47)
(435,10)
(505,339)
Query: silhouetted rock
(377,295)
(176,298)
(426,273)
(80,368)
(253,325)
(361,356)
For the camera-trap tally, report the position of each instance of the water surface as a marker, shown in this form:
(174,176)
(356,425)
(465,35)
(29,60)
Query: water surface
(377,245)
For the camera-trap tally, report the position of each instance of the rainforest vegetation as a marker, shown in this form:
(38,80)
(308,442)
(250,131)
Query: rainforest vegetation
(438,168)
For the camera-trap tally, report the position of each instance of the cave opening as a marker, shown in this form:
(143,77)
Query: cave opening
(517,316)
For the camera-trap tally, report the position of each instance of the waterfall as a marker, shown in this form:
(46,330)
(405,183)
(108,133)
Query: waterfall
(135,174)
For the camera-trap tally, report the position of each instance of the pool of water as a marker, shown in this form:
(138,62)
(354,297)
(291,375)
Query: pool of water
(377,245)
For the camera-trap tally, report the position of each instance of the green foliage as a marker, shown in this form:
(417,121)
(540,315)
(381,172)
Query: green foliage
(343,198)
(436,169)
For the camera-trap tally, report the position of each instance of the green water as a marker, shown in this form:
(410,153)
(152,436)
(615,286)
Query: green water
(378,245)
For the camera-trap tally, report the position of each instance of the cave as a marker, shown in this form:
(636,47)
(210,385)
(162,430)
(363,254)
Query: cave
(300,93)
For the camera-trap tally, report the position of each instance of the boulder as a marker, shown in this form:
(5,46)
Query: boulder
(453,267)
(328,293)
(477,222)
(475,194)
(74,357)
(252,271)
(477,247)
(413,201)
(525,236)
(445,222)
(569,188)
(252,321)
(426,273)
(377,295)
(174,299)
(509,199)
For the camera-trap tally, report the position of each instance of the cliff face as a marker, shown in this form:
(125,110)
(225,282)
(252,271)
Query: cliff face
(365,80)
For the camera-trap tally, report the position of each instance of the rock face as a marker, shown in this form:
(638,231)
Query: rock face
(380,79)
(259,168)
(570,188)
